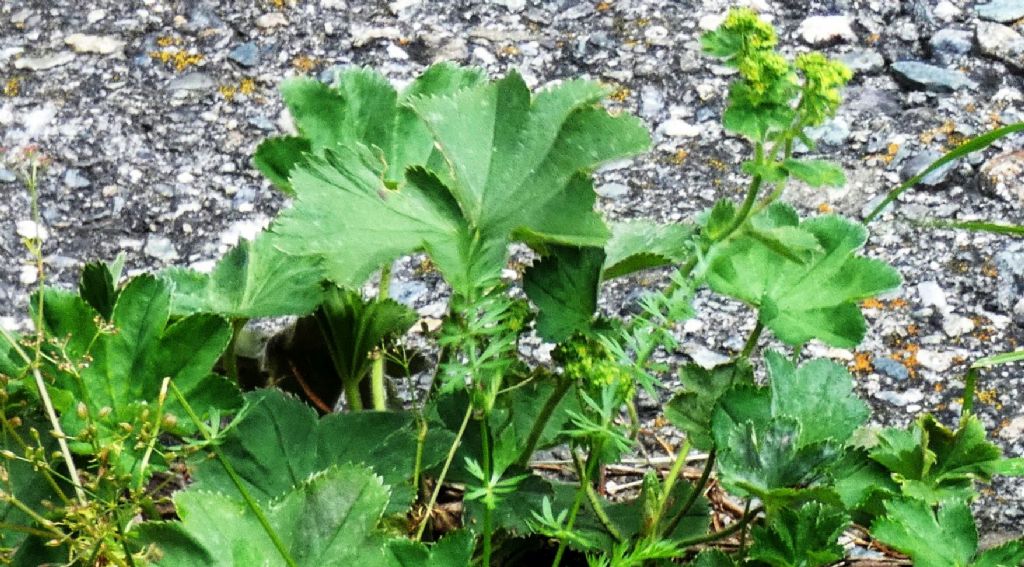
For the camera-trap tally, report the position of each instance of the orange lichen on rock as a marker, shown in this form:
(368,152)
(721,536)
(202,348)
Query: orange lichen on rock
(861,363)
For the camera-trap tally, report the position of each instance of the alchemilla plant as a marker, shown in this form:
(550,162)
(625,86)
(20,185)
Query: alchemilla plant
(128,439)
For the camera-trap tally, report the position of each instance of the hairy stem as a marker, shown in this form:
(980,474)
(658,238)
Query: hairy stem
(751,343)
(561,387)
(444,472)
(694,495)
(378,392)
(485,441)
(230,356)
(723,533)
(669,484)
(236,480)
(576,504)
(595,501)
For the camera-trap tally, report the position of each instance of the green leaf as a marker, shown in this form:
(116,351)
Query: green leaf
(564,286)
(944,538)
(328,520)
(862,484)
(276,157)
(817,388)
(254,279)
(815,172)
(455,548)
(759,460)
(98,285)
(24,480)
(712,557)
(280,442)
(720,219)
(353,327)
(692,407)
(362,107)
(510,166)
(804,300)
(129,364)
(801,537)
(934,463)
(641,245)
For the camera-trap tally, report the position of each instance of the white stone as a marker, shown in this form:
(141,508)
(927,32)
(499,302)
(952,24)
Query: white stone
(29,229)
(612,190)
(932,295)
(936,361)
(955,325)
(101,44)
(657,35)
(816,30)
(45,62)
(28,275)
(680,128)
(484,56)
(513,5)
(705,357)
(185,177)
(709,22)
(161,248)
(901,398)
(271,20)
(1013,430)
(399,5)
(396,52)
(95,15)
(946,11)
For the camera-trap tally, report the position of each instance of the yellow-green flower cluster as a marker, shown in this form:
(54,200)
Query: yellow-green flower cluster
(587,362)
(765,72)
(756,34)
(823,78)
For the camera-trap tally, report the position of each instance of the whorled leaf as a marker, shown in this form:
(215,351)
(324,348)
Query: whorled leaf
(329,519)
(128,362)
(802,537)
(280,442)
(254,279)
(509,166)
(692,407)
(564,287)
(361,106)
(640,245)
(801,300)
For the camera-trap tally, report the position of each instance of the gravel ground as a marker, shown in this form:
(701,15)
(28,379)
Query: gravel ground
(151,109)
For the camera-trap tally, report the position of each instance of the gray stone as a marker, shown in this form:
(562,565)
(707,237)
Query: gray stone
(7,176)
(862,60)
(408,292)
(1004,11)
(1010,279)
(44,62)
(834,132)
(919,162)
(1002,43)
(203,17)
(956,42)
(194,81)
(931,295)
(930,78)
(246,55)
(73,179)
(1003,177)
(891,368)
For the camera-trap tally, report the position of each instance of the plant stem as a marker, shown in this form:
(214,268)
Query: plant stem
(377,389)
(485,442)
(751,343)
(561,387)
(51,414)
(230,356)
(670,481)
(696,492)
(421,439)
(725,532)
(595,502)
(576,503)
(353,396)
(743,532)
(970,383)
(236,480)
(444,472)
